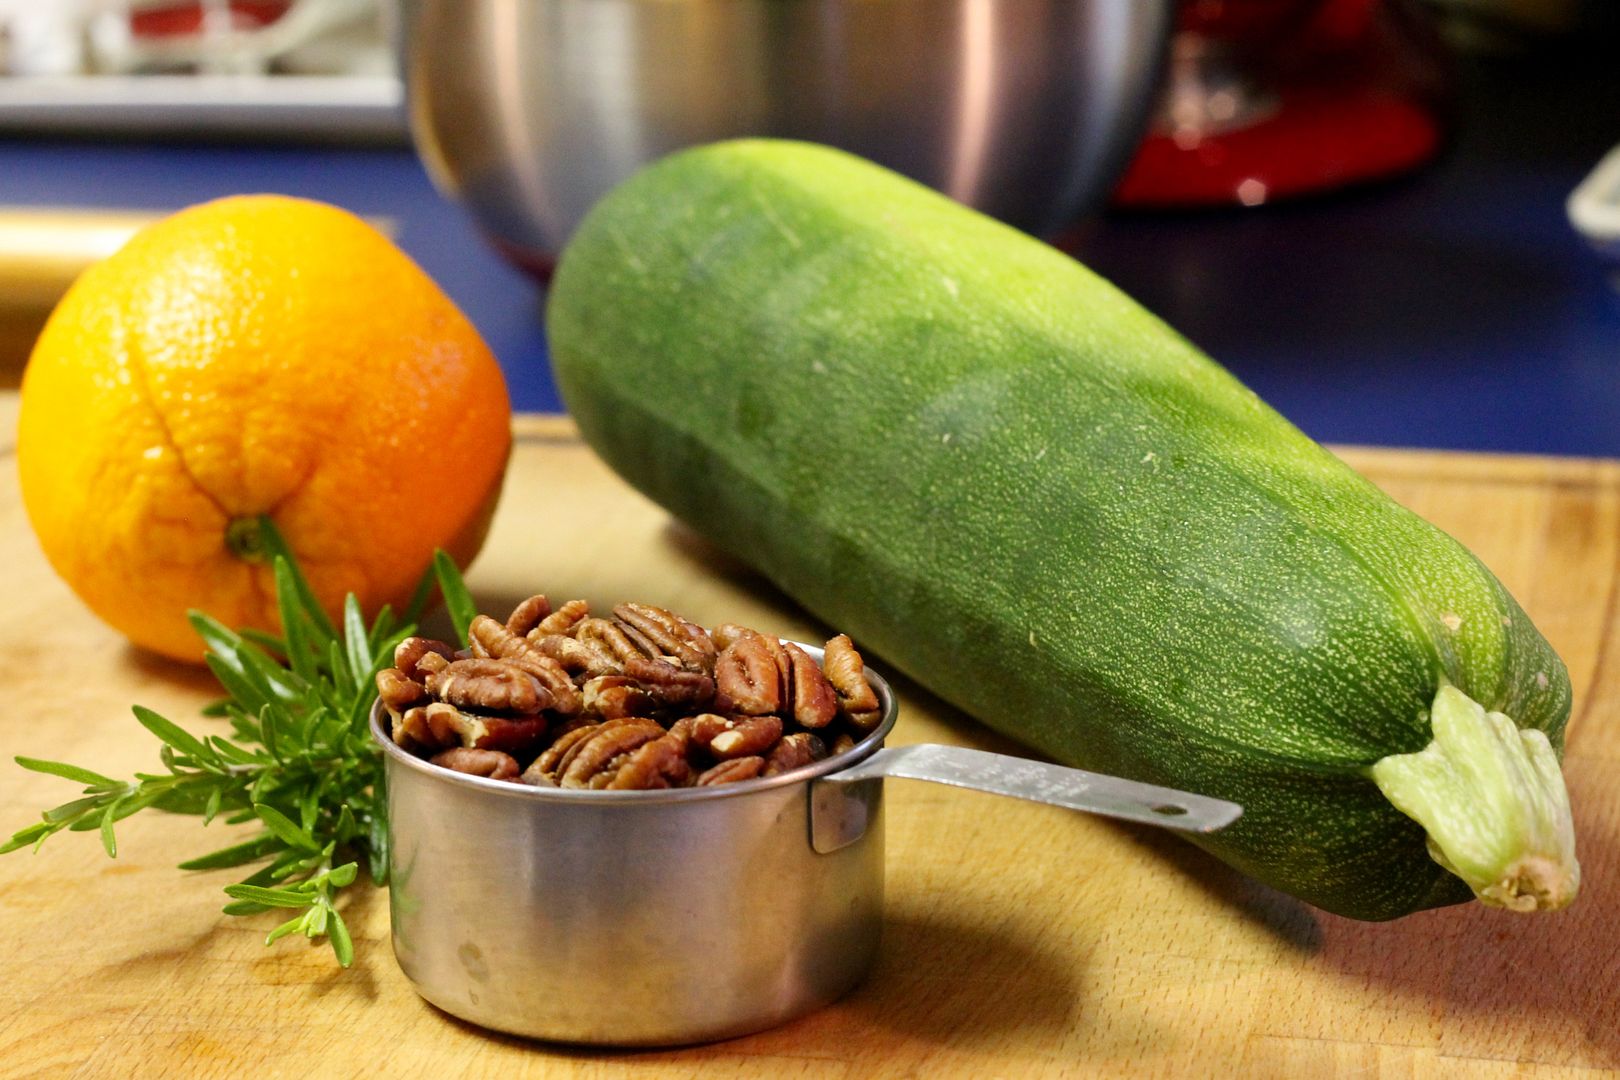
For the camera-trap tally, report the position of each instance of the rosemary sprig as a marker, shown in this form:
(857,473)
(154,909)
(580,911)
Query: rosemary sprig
(298,762)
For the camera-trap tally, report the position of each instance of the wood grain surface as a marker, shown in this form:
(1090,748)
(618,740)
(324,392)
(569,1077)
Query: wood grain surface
(1019,940)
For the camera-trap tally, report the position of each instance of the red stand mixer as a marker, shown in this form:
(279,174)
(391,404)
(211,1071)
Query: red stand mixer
(1268,99)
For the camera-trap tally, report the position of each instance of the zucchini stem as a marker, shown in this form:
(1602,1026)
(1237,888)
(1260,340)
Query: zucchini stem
(1492,799)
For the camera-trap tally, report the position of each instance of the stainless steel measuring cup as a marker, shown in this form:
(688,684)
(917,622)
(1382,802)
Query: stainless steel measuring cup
(649,918)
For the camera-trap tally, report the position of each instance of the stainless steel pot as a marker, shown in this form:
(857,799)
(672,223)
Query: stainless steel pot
(650,918)
(529,110)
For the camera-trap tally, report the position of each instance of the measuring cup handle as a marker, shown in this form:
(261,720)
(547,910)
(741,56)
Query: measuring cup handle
(1036,781)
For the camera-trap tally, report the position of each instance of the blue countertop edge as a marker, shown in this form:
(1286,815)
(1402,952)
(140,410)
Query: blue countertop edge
(1455,308)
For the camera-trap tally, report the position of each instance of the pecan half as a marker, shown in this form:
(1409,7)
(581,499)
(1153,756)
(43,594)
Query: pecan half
(793,751)
(613,697)
(496,639)
(726,633)
(700,640)
(413,733)
(669,685)
(729,772)
(501,643)
(527,615)
(814,702)
(510,736)
(660,763)
(746,736)
(643,644)
(847,673)
(491,763)
(670,635)
(492,685)
(408,655)
(610,637)
(596,753)
(542,771)
(784,660)
(576,657)
(399,691)
(440,725)
(701,728)
(431,727)
(563,619)
(747,678)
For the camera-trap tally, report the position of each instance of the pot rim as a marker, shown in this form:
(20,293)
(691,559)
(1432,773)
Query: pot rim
(862,750)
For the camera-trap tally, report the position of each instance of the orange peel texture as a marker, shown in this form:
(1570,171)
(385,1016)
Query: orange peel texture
(255,355)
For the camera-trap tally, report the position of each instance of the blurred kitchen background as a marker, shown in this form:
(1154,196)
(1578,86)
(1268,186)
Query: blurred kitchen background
(1372,211)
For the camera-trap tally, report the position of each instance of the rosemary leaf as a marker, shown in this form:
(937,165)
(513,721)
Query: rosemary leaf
(419,601)
(355,639)
(72,811)
(276,545)
(345,680)
(170,732)
(108,841)
(290,834)
(270,643)
(292,925)
(301,650)
(218,637)
(457,600)
(69,772)
(245,907)
(269,897)
(298,759)
(235,855)
(342,944)
(236,683)
(24,837)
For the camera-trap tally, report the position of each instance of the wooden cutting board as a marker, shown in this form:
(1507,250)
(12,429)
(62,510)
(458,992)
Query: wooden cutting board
(1019,940)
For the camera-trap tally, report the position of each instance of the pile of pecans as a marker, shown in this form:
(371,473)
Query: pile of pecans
(641,699)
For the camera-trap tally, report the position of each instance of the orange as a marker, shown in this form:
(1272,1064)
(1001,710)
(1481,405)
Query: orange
(255,355)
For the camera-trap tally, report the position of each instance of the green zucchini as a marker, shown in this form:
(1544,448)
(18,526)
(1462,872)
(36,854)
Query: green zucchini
(1030,495)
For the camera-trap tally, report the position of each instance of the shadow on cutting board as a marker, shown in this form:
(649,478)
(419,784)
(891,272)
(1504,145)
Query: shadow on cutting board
(1535,987)
(934,981)
(1501,985)
(151,667)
